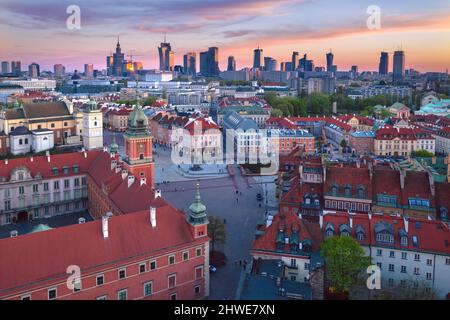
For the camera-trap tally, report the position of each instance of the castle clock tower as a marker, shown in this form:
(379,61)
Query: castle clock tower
(138,145)
(92,126)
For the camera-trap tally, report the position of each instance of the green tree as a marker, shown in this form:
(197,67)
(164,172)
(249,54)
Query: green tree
(345,261)
(343,143)
(149,101)
(216,232)
(423,154)
(319,104)
(385,113)
(276,113)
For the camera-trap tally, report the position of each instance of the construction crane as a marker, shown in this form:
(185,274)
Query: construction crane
(133,55)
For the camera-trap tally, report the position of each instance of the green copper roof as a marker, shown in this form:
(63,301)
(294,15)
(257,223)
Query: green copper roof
(90,106)
(16,104)
(40,227)
(198,210)
(137,120)
(114,147)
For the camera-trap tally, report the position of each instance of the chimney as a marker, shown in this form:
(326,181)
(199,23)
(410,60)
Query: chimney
(124,174)
(143,181)
(406,221)
(85,154)
(13,233)
(157,193)
(402,179)
(47,153)
(113,164)
(370,215)
(105,227)
(81,220)
(321,220)
(105,149)
(350,218)
(6,161)
(153,217)
(130,180)
(300,216)
(118,168)
(31,159)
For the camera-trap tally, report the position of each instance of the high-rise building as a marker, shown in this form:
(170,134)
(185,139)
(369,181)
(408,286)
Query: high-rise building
(294,62)
(109,65)
(189,63)
(258,59)
(399,65)
(166,56)
(354,69)
(118,61)
(16,68)
(270,64)
(282,66)
(5,67)
(59,70)
(231,64)
(330,57)
(89,70)
(288,66)
(383,67)
(209,62)
(34,70)
(305,64)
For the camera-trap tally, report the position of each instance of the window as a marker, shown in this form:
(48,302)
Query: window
(379,252)
(416,271)
(35,188)
(198,252)
(428,276)
(385,237)
(100,280)
(52,125)
(76,182)
(391,254)
(403,283)
(45,186)
(7,207)
(152,265)
(404,241)
(56,185)
(391,282)
(391,267)
(404,255)
(416,257)
(122,294)
(171,259)
(142,268)
(293,263)
(52,294)
(172,280)
(26,297)
(66,183)
(447,261)
(104,297)
(173,296)
(429,262)
(198,272)
(148,289)
(403,269)
(360,236)
(186,255)
(122,273)
(197,290)
(306,266)
(293,277)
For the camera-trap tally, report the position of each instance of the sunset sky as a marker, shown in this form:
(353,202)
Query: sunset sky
(35,31)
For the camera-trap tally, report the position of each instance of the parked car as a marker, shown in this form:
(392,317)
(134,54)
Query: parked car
(212,269)
(259,197)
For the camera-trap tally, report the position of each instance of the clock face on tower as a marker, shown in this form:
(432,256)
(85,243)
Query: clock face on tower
(141,147)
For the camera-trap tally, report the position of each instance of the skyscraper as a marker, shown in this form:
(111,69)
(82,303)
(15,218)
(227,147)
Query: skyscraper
(383,67)
(34,70)
(294,62)
(231,64)
(109,65)
(16,68)
(258,62)
(305,64)
(59,70)
(270,64)
(189,63)
(282,66)
(89,70)
(166,56)
(399,65)
(330,57)
(118,61)
(5,67)
(209,62)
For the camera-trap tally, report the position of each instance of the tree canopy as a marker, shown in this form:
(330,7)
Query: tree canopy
(345,261)
(216,232)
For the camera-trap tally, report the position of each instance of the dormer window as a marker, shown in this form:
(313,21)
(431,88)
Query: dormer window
(65,170)
(361,192)
(334,190)
(55,170)
(75,168)
(385,237)
(360,236)
(348,191)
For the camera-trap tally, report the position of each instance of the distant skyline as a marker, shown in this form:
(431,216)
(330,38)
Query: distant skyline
(36,31)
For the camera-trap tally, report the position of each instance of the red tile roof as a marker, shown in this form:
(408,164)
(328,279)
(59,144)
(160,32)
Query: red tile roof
(38,257)
(432,235)
(41,165)
(348,175)
(417,184)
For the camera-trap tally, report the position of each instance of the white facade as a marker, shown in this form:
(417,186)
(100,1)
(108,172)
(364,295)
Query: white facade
(426,144)
(20,144)
(34,84)
(443,143)
(42,141)
(92,129)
